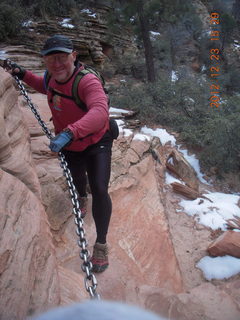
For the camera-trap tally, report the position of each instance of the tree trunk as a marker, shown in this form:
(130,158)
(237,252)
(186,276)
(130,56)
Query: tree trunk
(148,50)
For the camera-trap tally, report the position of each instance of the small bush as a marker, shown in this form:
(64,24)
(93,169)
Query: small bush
(184,107)
(131,65)
(11,19)
(48,8)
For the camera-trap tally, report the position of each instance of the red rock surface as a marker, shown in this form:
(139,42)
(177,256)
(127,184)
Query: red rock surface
(227,244)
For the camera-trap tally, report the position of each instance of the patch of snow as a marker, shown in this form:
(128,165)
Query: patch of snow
(174,76)
(65,23)
(3,54)
(170,179)
(27,23)
(213,214)
(116,110)
(125,132)
(89,13)
(154,35)
(194,162)
(219,267)
(141,137)
(162,134)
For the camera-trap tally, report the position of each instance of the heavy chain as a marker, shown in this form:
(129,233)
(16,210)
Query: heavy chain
(33,108)
(90,280)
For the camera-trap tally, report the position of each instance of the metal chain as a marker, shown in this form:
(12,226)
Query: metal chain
(90,280)
(33,108)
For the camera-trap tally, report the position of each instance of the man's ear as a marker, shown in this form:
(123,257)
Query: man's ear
(74,54)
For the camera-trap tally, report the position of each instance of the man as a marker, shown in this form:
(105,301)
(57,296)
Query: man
(81,135)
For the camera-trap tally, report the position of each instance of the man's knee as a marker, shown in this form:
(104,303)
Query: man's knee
(99,190)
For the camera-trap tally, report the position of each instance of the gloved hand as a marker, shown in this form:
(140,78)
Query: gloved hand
(61,140)
(18,71)
(15,69)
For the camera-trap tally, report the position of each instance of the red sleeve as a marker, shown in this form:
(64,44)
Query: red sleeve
(91,92)
(34,81)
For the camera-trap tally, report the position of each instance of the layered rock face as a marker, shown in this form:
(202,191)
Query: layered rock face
(153,249)
(15,154)
(93,42)
(29,279)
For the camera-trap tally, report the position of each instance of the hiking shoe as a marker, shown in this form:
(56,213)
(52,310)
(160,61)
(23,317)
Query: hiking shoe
(83,205)
(99,257)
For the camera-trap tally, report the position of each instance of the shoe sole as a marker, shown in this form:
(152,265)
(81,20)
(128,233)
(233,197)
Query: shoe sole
(99,269)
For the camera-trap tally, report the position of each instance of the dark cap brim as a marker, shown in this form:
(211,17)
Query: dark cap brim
(56,49)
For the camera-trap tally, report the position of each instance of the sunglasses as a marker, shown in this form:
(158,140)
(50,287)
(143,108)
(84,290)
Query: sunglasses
(60,57)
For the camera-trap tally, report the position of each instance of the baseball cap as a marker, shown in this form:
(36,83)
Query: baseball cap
(57,43)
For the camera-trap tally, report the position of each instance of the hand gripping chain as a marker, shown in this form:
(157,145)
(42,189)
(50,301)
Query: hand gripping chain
(90,279)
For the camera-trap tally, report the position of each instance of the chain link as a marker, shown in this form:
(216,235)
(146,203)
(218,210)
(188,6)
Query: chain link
(33,108)
(90,279)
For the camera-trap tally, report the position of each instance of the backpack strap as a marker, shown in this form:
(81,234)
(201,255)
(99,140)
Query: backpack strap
(87,69)
(75,97)
(46,79)
(75,84)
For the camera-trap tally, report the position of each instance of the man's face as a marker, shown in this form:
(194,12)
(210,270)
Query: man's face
(60,65)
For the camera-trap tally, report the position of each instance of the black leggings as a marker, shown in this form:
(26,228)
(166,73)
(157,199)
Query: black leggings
(94,163)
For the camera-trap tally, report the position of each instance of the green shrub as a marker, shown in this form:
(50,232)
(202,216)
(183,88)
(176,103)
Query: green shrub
(222,139)
(130,64)
(184,107)
(229,79)
(11,19)
(48,8)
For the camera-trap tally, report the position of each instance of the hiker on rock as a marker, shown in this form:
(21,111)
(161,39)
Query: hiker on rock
(81,133)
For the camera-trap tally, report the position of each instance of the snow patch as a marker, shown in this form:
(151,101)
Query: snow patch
(65,23)
(219,267)
(89,13)
(162,134)
(213,214)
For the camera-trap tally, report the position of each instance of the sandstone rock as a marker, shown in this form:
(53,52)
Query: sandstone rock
(15,154)
(42,107)
(178,165)
(137,214)
(71,286)
(29,279)
(147,212)
(203,302)
(57,204)
(227,244)
(185,190)
(232,287)
(139,148)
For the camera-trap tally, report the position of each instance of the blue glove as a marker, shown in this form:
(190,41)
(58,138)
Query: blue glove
(61,140)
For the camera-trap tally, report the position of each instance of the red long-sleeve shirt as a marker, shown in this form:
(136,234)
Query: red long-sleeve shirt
(89,126)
